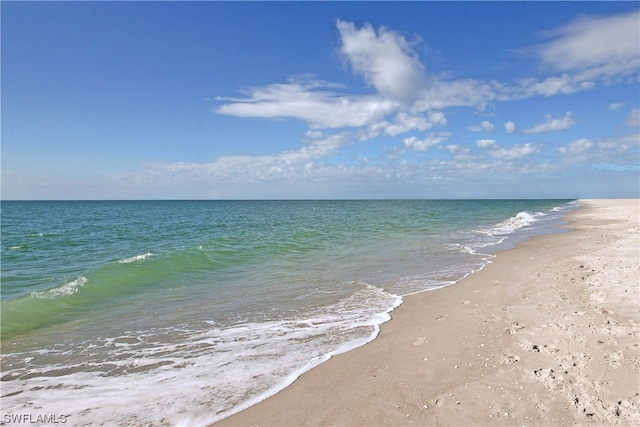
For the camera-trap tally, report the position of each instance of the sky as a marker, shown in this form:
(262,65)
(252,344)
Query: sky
(320,100)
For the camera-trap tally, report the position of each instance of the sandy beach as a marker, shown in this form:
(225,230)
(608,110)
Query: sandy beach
(548,334)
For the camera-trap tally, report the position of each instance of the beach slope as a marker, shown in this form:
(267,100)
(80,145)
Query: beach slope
(548,334)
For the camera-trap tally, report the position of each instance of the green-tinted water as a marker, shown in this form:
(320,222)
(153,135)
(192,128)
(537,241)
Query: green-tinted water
(96,294)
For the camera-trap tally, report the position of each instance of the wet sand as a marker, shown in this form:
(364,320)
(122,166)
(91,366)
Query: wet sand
(548,334)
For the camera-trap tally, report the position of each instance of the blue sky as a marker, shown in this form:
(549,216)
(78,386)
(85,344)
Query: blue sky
(235,100)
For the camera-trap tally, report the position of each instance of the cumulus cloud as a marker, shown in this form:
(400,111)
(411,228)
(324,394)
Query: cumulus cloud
(634,118)
(553,124)
(432,140)
(516,151)
(485,143)
(555,85)
(437,118)
(615,106)
(605,46)
(579,146)
(589,50)
(578,150)
(384,58)
(620,147)
(453,148)
(442,94)
(485,125)
(509,127)
(404,122)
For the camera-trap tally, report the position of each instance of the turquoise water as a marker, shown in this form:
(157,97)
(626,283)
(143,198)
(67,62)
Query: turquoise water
(111,309)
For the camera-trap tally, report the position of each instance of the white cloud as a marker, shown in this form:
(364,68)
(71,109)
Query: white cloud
(485,143)
(578,150)
(437,118)
(553,124)
(579,146)
(308,101)
(442,94)
(288,165)
(619,152)
(634,118)
(314,134)
(550,86)
(402,123)
(619,148)
(461,153)
(516,151)
(605,46)
(485,125)
(432,140)
(384,58)
(615,106)
(387,62)
(509,127)
(405,122)
(585,51)
(394,153)
(488,126)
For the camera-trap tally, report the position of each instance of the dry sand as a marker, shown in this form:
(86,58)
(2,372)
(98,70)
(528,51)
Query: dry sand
(549,334)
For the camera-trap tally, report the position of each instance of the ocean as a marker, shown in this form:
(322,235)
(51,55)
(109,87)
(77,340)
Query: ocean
(184,312)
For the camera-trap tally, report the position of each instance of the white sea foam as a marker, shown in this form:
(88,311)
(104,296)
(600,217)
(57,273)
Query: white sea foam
(195,376)
(496,234)
(68,288)
(459,247)
(136,258)
(521,220)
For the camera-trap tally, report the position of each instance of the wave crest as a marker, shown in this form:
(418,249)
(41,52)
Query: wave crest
(521,220)
(68,288)
(135,258)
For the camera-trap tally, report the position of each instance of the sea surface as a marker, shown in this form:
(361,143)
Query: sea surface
(183,312)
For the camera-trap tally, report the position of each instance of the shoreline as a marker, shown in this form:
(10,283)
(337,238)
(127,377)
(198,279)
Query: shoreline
(534,338)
